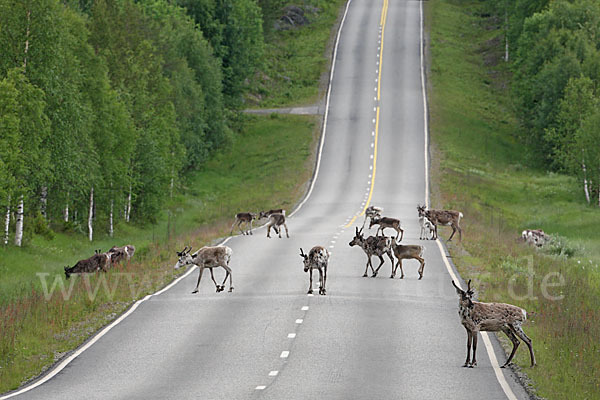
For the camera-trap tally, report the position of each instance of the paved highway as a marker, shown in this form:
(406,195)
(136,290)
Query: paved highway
(369,338)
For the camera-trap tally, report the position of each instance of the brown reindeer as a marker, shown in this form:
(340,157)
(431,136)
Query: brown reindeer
(491,317)
(373,246)
(406,252)
(267,214)
(243,218)
(442,217)
(386,222)
(97,262)
(372,212)
(317,258)
(118,254)
(208,257)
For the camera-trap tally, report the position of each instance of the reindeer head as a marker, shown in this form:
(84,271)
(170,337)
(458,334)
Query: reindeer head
(184,258)
(358,238)
(305,260)
(263,214)
(374,220)
(421,210)
(465,299)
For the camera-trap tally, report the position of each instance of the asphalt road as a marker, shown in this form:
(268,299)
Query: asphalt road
(369,338)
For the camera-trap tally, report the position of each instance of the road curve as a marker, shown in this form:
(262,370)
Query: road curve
(369,338)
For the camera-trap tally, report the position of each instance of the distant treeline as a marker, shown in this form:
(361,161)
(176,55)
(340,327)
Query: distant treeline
(104,104)
(554,50)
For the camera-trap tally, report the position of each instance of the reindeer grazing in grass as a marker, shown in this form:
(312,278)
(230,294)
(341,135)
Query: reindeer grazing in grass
(243,218)
(492,317)
(386,222)
(406,252)
(208,257)
(317,258)
(97,262)
(442,217)
(118,254)
(374,246)
(370,213)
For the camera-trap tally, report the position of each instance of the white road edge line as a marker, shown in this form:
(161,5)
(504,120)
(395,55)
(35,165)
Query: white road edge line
(486,340)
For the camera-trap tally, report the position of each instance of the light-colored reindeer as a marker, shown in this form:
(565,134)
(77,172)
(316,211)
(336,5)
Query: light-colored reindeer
(491,317)
(372,212)
(373,246)
(443,217)
(208,257)
(317,258)
(406,252)
(276,220)
(243,218)
(387,222)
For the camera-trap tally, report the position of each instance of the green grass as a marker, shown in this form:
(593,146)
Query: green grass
(267,166)
(296,59)
(479,168)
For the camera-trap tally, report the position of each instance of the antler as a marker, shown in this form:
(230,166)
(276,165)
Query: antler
(302,253)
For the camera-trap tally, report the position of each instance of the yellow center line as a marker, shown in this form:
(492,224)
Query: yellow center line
(367,203)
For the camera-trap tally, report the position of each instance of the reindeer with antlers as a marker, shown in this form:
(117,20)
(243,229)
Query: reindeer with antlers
(208,257)
(491,317)
(374,246)
(317,258)
(442,217)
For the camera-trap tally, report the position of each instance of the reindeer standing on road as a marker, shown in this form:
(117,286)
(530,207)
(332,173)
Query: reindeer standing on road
(208,257)
(317,258)
(374,246)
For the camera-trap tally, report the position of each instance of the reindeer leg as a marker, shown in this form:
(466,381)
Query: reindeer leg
(250,231)
(401,269)
(324,279)
(212,275)
(286,231)
(367,266)
(453,232)
(310,286)
(269,231)
(232,226)
(520,333)
(321,287)
(469,340)
(401,234)
(380,264)
(508,330)
(422,267)
(228,274)
(200,270)
(459,234)
(474,361)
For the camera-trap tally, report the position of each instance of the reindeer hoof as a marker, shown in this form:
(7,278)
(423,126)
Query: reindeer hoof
(365,276)
(465,365)
(420,277)
(195,291)
(374,275)
(231,289)
(391,276)
(309,292)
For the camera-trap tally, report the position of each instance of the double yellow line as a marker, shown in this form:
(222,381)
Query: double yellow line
(382,24)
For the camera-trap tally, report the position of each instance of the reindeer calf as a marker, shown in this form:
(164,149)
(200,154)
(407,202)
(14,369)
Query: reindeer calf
(276,220)
(386,222)
(443,217)
(243,218)
(118,254)
(491,317)
(406,252)
(317,258)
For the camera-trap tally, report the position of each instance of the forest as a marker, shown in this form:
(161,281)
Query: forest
(106,104)
(553,47)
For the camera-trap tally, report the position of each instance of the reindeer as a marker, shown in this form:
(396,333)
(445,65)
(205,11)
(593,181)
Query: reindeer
(118,254)
(245,217)
(386,222)
(535,237)
(97,262)
(267,214)
(491,317)
(373,246)
(208,257)
(317,258)
(426,228)
(443,217)
(405,252)
(372,212)
(276,220)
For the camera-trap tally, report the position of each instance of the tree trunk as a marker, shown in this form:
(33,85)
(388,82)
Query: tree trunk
(44,201)
(91,215)
(27,39)
(7,221)
(128,211)
(505,36)
(66,213)
(19,224)
(585,182)
(110,226)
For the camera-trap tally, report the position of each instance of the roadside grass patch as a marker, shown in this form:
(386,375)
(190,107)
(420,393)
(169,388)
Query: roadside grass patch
(268,165)
(478,167)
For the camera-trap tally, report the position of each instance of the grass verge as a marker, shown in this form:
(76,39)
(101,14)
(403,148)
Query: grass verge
(267,166)
(479,168)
